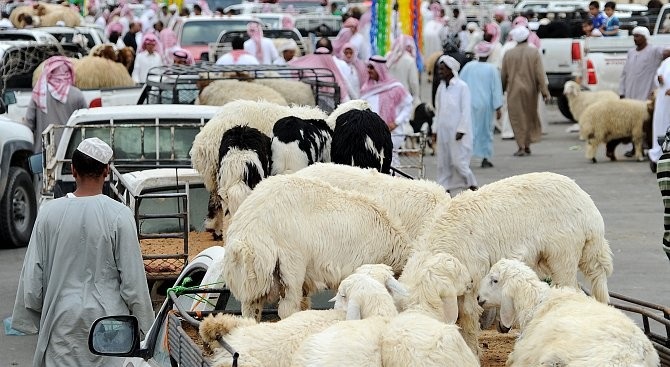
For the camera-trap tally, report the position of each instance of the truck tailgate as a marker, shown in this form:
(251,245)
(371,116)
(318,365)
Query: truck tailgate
(556,55)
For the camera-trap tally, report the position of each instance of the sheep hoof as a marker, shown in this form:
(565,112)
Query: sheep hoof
(594,160)
(502,329)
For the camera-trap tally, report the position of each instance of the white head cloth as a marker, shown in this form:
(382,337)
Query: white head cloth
(519,34)
(96,149)
(287,45)
(642,31)
(451,63)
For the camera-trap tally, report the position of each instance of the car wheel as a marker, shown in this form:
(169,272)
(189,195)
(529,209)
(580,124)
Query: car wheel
(564,107)
(18,209)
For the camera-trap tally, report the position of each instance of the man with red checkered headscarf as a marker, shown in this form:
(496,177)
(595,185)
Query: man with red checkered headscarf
(54,98)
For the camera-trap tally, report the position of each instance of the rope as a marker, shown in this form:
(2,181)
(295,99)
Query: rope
(180,290)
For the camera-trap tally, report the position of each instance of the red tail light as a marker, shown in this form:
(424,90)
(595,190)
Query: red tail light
(576,51)
(97,102)
(591,73)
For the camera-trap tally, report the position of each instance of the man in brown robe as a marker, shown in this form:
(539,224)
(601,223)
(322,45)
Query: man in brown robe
(523,78)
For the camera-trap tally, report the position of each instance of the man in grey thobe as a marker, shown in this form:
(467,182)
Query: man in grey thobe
(83,262)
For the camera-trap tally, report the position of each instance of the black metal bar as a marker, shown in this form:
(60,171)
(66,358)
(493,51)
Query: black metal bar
(147,236)
(164,257)
(163,216)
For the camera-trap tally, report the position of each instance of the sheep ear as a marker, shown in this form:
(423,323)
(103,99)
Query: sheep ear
(450,309)
(395,288)
(507,311)
(353,310)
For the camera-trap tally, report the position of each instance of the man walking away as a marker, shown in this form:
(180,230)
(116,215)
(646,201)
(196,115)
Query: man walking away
(83,262)
(523,79)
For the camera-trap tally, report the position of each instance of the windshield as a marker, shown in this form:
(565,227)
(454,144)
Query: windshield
(207,31)
(67,38)
(198,199)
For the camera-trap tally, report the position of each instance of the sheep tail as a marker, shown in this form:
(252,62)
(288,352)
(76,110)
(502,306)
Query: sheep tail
(596,264)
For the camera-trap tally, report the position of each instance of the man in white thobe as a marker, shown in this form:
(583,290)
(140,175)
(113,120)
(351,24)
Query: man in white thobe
(83,262)
(453,126)
(661,119)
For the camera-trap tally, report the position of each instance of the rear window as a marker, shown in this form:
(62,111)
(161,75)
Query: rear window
(206,32)
(135,144)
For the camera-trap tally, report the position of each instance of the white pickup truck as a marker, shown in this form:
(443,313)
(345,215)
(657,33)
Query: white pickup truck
(598,60)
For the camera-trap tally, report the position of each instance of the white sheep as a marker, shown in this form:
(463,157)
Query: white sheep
(544,219)
(45,15)
(274,343)
(605,121)
(294,92)
(424,334)
(579,100)
(205,151)
(561,326)
(220,92)
(292,234)
(414,202)
(358,339)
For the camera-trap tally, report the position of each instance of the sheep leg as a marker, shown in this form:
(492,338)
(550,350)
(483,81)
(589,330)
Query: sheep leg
(468,320)
(638,150)
(591,147)
(291,301)
(252,309)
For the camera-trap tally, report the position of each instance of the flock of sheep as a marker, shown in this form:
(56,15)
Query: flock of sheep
(605,119)
(309,226)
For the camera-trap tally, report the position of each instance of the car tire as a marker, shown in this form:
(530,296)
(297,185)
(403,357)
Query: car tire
(18,209)
(564,107)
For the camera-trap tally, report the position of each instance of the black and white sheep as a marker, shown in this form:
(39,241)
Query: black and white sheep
(298,143)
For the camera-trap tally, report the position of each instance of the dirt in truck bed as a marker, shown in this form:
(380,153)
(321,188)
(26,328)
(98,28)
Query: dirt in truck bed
(197,242)
(495,346)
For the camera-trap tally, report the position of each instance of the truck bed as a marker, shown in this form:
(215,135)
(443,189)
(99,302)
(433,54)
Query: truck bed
(197,242)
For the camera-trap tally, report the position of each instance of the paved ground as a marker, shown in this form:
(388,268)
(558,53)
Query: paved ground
(625,192)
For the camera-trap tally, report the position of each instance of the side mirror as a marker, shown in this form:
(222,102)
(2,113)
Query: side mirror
(115,336)
(35,164)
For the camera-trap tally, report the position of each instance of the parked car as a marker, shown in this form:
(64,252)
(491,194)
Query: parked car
(27,35)
(197,32)
(92,35)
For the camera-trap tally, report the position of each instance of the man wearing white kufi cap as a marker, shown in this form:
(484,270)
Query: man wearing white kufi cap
(83,262)
(523,78)
(639,74)
(453,126)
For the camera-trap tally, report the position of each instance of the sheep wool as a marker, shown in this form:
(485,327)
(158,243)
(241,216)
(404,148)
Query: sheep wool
(354,104)
(605,121)
(562,326)
(265,343)
(294,92)
(289,223)
(47,15)
(220,92)
(361,138)
(297,143)
(542,218)
(413,202)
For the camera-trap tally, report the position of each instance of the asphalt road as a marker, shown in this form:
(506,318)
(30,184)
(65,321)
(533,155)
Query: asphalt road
(625,192)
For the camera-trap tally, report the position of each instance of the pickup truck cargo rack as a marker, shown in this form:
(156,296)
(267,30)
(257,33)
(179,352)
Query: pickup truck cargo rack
(181,84)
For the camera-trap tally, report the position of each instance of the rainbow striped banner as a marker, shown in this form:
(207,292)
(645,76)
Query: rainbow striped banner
(380,27)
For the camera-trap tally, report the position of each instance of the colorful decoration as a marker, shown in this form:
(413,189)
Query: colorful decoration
(380,28)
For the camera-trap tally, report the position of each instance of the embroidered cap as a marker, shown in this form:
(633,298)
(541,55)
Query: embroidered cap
(96,149)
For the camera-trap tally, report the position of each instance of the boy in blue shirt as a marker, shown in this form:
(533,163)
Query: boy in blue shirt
(611,26)
(596,15)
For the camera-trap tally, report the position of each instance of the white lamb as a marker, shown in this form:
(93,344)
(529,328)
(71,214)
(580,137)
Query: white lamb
(424,334)
(414,202)
(579,100)
(544,219)
(357,339)
(274,343)
(292,234)
(561,326)
(220,92)
(605,121)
